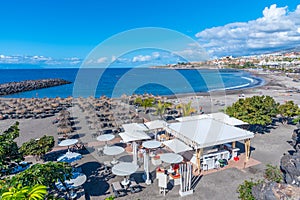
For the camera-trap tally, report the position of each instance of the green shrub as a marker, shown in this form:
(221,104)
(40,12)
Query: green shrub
(273,173)
(245,190)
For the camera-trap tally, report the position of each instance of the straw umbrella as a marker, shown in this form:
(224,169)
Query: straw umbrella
(64,130)
(64,122)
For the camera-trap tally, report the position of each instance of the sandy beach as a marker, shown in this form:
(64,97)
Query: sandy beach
(266,148)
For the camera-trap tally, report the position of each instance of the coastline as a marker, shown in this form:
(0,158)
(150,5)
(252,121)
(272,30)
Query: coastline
(279,86)
(274,85)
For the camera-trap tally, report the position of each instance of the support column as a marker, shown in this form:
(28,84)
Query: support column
(233,144)
(247,149)
(199,153)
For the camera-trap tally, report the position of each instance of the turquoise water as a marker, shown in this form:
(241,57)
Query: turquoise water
(114,82)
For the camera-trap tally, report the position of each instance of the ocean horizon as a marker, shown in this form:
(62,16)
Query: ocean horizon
(113,82)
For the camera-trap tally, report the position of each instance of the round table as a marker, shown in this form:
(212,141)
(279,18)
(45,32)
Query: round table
(113,150)
(124,169)
(152,144)
(105,138)
(171,158)
(68,142)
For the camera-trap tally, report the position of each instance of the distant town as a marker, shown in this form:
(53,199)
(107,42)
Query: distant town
(281,61)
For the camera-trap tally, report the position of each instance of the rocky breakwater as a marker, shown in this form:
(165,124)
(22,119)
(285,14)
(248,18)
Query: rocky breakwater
(28,85)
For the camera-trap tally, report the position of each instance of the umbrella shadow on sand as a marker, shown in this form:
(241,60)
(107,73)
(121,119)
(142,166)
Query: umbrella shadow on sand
(95,186)
(125,158)
(120,144)
(77,136)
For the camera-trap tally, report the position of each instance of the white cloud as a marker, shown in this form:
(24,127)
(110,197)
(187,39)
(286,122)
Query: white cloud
(156,55)
(38,60)
(277,29)
(141,58)
(101,60)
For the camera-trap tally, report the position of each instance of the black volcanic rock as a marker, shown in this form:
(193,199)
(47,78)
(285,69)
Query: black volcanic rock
(22,86)
(275,191)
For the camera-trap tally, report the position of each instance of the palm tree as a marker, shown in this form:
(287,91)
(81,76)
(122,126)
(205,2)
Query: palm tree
(187,109)
(161,108)
(147,103)
(36,192)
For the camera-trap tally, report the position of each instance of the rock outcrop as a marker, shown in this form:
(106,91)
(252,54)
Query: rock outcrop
(290,163)
(22,86)
(275,191)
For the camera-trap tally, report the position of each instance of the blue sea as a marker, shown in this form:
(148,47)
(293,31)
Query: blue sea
(113,82)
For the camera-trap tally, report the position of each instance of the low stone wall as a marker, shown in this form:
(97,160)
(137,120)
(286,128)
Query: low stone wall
(22,86)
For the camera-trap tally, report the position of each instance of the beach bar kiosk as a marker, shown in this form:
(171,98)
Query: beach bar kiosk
(212,139)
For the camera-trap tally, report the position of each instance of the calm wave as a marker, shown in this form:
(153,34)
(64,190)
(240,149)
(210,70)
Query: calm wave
(115,82)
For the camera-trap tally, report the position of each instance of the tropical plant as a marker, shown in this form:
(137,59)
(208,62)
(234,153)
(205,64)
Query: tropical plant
(45,174)
(138,101)
(257,110)
(161,108)
(38,147)
(186,109)
(245,190)
(273,173)
(147,103)
(9,150)
(37,192)
(288,109)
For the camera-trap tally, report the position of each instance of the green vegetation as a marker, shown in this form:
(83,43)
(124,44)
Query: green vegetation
(257,110)
(245,190)
(186,109)
(36,192)
(146,103)
(33,182)
(9,150)
(45,174)
(138,101)
(38,147)
(247,65)
(288,109)
(161,108)
(110,198)
(273,173)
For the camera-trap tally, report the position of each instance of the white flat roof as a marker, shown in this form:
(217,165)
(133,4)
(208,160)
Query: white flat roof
(207,132)
(134,127)
(219,116)
(134,136)
(177,146)
(156,124)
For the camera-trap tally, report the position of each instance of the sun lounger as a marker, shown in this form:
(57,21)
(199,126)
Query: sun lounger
(134,187)
(118,190)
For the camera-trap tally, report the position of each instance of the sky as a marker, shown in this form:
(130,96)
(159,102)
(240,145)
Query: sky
(64,32)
